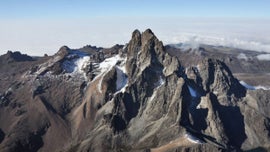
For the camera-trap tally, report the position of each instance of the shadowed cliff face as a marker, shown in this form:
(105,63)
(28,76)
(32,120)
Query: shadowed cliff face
(136,97)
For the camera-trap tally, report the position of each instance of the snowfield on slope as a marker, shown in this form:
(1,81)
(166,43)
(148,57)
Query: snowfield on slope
(250,87)
(107,64)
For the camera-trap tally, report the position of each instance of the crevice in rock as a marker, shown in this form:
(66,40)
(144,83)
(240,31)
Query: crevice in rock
(2,136)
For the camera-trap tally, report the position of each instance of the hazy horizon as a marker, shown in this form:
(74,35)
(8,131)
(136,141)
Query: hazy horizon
(37,28)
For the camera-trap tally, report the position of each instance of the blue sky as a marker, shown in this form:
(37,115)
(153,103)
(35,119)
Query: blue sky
(167,8)
(36,27)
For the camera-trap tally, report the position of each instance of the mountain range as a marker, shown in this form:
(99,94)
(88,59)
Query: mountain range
(141,96)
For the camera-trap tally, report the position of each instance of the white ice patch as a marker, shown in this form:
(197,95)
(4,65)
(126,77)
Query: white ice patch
(82,63)
(100,85)
(121,80)
(193,139)
(109,62)
(247,86)
(75,66)
(264,57)
(262,87)
(192,92)
(153,95)
(250,87)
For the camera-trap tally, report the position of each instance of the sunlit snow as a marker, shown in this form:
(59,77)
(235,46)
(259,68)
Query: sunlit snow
(193,139)
(75,63)
(250,87)
(109,62)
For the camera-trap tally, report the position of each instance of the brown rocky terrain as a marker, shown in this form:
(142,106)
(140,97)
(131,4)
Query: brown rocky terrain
(244,64)
(138,97)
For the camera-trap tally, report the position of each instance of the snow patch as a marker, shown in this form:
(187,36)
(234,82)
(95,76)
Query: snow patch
(101,79)
(121,80)
(82,63)
(250,87)
(75,65)
(192,92)
(153,95)
(161,81)
(193,139)
(109,62)
(262,87)
(100,84)
(247,86)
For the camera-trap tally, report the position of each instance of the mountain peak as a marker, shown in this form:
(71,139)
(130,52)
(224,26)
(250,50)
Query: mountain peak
(144,37)
(146,50)
(136,33)
(64,50)
(16,56)
(148,33)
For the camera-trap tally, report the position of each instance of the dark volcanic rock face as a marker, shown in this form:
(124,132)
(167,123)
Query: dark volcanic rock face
(137,97)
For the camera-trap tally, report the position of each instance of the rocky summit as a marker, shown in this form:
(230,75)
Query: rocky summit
(138,97)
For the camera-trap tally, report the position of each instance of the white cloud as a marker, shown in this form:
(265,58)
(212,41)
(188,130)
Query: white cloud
(265,57)
(242,56)
(47,36)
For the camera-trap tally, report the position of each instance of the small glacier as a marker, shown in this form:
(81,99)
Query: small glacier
(109,63)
